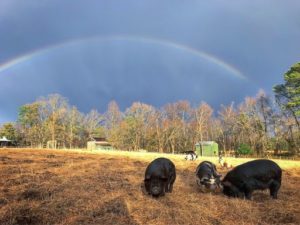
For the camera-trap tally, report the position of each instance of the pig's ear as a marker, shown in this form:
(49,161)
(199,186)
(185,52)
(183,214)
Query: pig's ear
(226,183)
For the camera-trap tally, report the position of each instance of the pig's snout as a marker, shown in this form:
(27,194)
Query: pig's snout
(212,181)
(155,190)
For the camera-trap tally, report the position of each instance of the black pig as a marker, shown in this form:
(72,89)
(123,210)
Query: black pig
(254,175)
(207,176)
(160,176)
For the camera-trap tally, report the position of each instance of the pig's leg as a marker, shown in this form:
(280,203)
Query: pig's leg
(170,183)
(248,194)
(274,187)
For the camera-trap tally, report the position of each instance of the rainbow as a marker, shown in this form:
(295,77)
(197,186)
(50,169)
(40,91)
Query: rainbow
(146,40)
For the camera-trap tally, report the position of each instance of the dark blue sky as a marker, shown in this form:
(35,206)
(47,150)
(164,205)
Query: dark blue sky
(154,51)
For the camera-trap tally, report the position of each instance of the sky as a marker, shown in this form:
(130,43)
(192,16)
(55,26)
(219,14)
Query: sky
(156,52)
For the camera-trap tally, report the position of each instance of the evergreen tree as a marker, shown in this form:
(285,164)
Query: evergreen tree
(288,94)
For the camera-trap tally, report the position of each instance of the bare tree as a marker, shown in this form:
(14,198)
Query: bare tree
(113,116)
(227,117)
(53,108)
(203,114)
(138,117)
(74,122)
(92,121)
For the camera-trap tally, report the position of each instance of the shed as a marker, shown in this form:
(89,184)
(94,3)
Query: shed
(5,142)
(207,148)
(99,144)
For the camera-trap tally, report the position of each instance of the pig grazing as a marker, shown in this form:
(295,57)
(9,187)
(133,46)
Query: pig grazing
(190,155)
(160,176)
(207,176)
(254,175)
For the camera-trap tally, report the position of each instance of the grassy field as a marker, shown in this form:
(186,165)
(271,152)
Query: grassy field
(80,187)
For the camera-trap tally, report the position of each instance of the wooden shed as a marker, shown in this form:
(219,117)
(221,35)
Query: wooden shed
(99,144)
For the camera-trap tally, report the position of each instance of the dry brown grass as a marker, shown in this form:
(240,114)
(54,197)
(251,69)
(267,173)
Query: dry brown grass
(76,187)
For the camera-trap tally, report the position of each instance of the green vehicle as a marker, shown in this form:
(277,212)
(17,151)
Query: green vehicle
(207,148)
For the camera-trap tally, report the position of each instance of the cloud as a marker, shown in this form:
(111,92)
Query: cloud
(260,40)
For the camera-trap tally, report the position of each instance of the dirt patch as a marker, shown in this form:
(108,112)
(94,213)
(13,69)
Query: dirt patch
(25,216)
(3,202)
(115,210)
(50,156)
(5,159)
(21,215)
(138,163)
(35,194)
(27,161)
(47,175)
(55,164)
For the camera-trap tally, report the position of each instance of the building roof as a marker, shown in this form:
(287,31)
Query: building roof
(205,143)
(5,139)
(98,139)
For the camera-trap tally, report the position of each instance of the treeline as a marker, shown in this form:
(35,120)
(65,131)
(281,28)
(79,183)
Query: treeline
(261,124)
